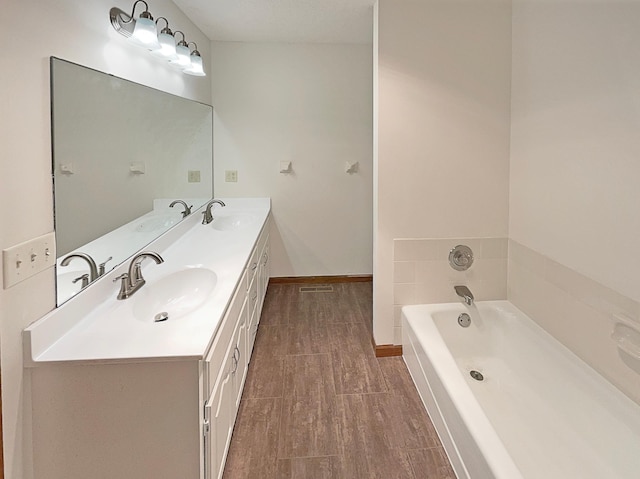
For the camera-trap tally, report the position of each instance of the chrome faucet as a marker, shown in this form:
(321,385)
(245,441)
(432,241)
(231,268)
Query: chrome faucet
(465,294)
(133,280)
(208,217)
(93,269)
(187,209)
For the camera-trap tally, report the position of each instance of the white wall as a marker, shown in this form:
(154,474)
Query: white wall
(574,169)
(443,134)
(575,136)
(310,104)
(79,32)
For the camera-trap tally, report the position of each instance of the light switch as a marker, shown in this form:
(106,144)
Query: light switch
(26,259)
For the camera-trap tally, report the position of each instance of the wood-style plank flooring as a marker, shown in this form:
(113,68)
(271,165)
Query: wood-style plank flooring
(318,404)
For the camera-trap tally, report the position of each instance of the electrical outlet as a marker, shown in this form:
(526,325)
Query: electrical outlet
(231,176)
(194,176)
(26,259)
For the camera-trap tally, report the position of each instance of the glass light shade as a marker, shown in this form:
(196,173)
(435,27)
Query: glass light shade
(145,34)
(167,47)
(196,67)
(183,59)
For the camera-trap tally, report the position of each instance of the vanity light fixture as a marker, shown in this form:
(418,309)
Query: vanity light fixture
(195,67)
(182,59)
(143,31)
(166,42)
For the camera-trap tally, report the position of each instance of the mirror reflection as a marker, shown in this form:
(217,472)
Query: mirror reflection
(129,162)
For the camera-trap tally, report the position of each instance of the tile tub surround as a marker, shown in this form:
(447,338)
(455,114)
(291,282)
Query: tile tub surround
(422,274)
(326,407)
(577,311)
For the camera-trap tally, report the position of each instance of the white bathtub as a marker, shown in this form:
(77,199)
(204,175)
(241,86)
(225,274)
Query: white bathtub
(540,412)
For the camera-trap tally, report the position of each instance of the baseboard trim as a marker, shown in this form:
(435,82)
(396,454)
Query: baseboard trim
(387,350)
(321,279)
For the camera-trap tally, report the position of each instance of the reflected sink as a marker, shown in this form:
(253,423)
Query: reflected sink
(157,222)
(232,222)
(174,295)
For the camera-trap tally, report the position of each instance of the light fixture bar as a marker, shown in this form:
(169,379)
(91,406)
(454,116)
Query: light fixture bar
(163,46)
(122,22)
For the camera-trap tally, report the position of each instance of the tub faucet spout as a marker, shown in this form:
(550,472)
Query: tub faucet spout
(465,294)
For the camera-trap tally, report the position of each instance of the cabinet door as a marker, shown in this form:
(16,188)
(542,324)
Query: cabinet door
(218,423)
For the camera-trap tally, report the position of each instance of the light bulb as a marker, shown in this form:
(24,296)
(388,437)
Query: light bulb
(145,34)
(167,46)
(183,59)
(196,68)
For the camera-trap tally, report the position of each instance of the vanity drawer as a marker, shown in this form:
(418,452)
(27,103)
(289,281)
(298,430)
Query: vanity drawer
(216,354)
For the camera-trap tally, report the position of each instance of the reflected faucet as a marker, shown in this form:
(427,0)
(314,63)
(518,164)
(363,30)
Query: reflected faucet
(187,209)
(208,217)
(465,294)
(93,269)
(133,280)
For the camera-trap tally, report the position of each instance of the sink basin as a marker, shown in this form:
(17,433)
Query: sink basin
(232,222)
(157,222)
(174,295)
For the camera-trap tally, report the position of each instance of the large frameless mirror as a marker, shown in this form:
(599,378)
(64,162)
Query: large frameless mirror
(123,154)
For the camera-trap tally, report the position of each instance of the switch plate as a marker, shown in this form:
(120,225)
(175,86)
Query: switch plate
(231,176)
(27,259)
(194,176)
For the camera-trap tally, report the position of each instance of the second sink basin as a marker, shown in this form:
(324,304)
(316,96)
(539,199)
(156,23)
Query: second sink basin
(232,222)
(174,295)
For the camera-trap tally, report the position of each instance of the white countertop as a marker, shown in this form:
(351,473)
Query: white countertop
(95,326)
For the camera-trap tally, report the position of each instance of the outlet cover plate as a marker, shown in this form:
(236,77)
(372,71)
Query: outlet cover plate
(231,176)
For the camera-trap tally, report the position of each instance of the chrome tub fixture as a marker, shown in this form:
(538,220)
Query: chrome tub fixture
(465,294)
(461,257)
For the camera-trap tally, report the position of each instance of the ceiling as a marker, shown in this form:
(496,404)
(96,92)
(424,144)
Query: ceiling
(299,21)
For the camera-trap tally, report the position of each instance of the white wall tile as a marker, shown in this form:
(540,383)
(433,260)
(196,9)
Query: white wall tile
(575,310)
(415,249)
(397,315)
(404,271)
(404,293)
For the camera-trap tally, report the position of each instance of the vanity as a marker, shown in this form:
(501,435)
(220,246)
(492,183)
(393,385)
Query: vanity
(149,386)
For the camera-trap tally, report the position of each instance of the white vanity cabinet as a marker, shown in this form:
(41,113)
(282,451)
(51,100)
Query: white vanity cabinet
(224,385)
(150,417)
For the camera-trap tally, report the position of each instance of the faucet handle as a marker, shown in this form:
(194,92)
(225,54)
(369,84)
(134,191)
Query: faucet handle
(101,265)
(122,276)
(124,285)
(85,280)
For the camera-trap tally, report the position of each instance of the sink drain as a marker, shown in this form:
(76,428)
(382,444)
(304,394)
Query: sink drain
(477,375)
(163,316)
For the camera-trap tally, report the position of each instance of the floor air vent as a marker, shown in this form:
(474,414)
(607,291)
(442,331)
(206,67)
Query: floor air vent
(316,289)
